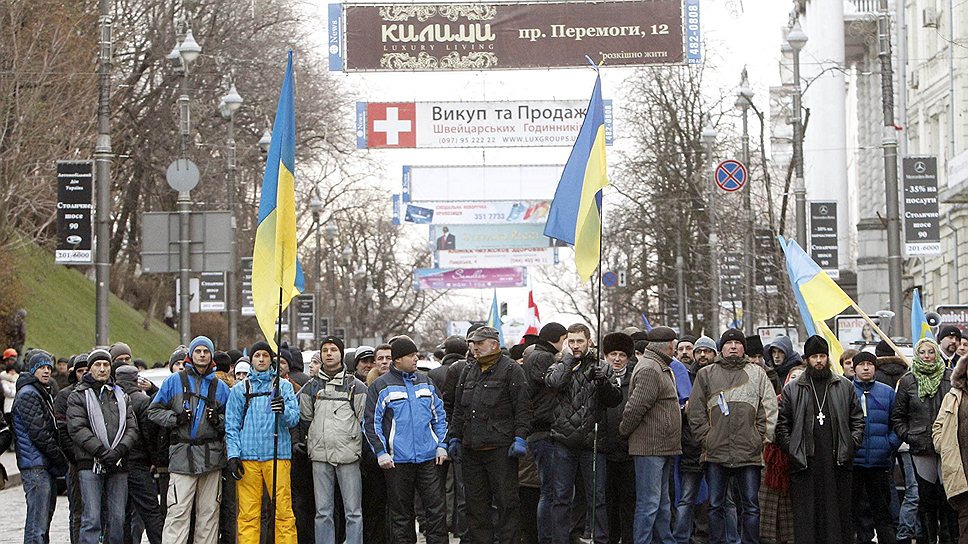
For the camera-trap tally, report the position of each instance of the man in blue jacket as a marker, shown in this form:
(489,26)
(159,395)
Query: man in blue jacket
(191,403)
(405,425)
(39,457)
(874,460)
(250,425)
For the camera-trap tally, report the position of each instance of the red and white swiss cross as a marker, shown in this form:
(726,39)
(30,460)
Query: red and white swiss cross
(391,124)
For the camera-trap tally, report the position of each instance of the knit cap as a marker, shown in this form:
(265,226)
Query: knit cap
(705,342)
(401,347)
(118,349)
(40,359)
(201,341)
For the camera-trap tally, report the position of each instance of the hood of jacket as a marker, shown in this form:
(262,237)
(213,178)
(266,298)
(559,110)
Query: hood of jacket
(259,378)
(450,358)
(790,357)
(892,366)
(127,382)
(26,379)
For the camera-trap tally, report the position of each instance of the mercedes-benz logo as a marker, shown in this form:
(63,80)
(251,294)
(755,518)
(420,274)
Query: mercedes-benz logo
(919,167)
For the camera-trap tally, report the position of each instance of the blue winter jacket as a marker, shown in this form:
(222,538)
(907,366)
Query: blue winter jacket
(34,428)
(880,440)
(252,439)
(404,417)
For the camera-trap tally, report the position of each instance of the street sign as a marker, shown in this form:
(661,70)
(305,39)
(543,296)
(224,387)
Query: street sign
(823,237)
(192,295)
(622,278)
(305,310)
(610,279)
(210,235)
(211,291)
(731,175)
(182,175)
(75,230)
(922,233)
(248,307)
(766,273)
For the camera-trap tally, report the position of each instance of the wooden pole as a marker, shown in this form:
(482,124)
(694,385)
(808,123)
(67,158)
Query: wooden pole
(880,333)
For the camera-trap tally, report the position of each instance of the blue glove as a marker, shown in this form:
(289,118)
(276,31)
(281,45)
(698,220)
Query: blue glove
(518,448)
(454,449)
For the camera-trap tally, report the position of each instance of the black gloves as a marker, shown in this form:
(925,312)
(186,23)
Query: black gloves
(300,448)
(595,373)
(111,458)
(214,418)
(278,405)
(235,468)
(183,417)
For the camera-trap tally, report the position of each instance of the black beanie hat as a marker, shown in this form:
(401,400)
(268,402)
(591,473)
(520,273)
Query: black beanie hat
(287,355)
(687,338)
(401,347)
(222,361)
(618,341)
(296,364)
(865,357)
(732,334)
(260,345)
(334,340)
(516,352)
(814,345)
(883,349)
(234,355)
(552,332)
(754,345)
(179,355)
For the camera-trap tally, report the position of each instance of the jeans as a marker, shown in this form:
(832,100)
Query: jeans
(907,523)
(543,450)
(653,508)
(686,507)
(41,496)
(112,488)
(143,499)
(568,462)
(748,483)
(491,483)
(325,477)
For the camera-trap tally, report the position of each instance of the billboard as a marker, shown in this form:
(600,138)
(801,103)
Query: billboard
(922,233)
(495,258)
(477,213)
(853,331)
(477,237)
(75,226)
(523,123)
(823,237)
(480,183)
(470,278)
(494,36)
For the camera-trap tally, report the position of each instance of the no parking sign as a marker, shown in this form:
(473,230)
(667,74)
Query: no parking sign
(731,175)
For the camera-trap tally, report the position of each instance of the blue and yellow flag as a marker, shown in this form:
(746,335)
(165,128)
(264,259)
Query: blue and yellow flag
(494,319)
(919,323)
(276,274)
(576,211)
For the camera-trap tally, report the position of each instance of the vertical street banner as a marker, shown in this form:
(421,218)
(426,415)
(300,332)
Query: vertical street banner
(75,226)
(823,237)
(247,308)
(922,233)
(765,258)
(211,291)
(304,313)
(731,277)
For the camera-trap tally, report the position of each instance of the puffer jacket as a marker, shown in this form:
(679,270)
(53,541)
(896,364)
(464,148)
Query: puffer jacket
(198,446)
(581,403)
(889,370)
(743,391)
(404,417)
(87,446)
(652,419)
(944,434)
(544,400)
(792,358)
(147,431)
(34,428)
(913,416)
(798,410)
(493,407)
(880,441)
(331,417)
(249,431)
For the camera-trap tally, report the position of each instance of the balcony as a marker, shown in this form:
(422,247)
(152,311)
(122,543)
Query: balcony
(860,6)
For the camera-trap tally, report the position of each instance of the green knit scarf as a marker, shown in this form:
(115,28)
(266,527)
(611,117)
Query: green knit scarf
(928,375)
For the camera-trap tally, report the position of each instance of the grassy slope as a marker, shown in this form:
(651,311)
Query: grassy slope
(60,312)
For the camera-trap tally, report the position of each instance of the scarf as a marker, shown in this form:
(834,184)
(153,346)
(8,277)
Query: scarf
(928,375)
(95,415)
(488,361)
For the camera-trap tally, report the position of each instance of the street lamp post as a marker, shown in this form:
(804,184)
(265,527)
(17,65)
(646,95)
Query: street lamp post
(744,98)
(230,104)
(316,205)
(797,39)
(186,53)
(346,257)
(330,234)
(102,161)
(889,145)
(708,138)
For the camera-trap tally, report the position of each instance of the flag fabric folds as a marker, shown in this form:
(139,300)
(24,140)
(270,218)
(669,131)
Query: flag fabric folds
(576,211)
(919,323)
(276,274)
(534,318)
(494,319)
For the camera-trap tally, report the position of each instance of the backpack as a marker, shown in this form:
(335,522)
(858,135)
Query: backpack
(249,395)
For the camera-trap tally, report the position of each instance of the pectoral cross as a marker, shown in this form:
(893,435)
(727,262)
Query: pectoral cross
(820,418)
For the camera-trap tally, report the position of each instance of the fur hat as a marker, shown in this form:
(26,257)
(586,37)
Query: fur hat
(618,341)
(754,345)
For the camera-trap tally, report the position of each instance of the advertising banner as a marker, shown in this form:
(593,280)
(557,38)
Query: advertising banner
(731,277)
(495,36)
(476,237)
(766,256)
(955,314)
(495,258)
(211,291)
(477,213)
(75,226)
(523,123)
(480,183)
(470,278)
(922,233)
(248,307)
(304,316)
(823,237)
(854,331)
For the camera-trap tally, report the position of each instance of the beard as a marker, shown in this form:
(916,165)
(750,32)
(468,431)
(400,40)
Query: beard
(820,374)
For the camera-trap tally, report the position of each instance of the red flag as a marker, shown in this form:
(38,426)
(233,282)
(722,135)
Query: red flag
(534,318)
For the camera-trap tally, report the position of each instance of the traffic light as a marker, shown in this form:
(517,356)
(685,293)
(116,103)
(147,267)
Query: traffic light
(504,309)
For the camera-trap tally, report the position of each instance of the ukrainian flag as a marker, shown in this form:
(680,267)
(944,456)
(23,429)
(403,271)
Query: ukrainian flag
(919,323)
(494,319)
(576,211)
(276,275)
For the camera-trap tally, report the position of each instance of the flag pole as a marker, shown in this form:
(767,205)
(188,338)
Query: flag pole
(880,333)
(275,429)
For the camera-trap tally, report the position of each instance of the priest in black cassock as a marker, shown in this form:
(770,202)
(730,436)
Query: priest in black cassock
(820,425)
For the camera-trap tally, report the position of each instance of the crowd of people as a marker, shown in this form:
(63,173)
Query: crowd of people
(636,437)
